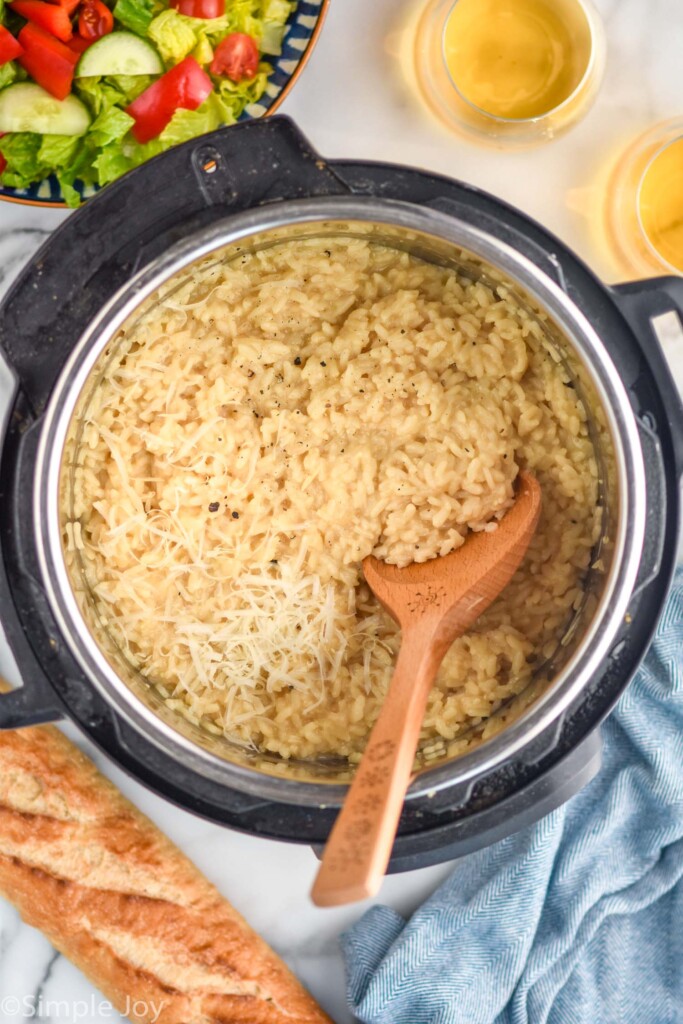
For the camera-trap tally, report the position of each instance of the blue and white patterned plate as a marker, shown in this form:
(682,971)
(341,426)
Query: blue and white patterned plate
(300,38)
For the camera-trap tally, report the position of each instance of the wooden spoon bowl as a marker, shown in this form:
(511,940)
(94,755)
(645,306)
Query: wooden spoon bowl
(433,602)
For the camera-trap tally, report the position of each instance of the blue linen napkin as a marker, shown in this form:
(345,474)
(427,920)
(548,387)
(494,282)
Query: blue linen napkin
(575,920)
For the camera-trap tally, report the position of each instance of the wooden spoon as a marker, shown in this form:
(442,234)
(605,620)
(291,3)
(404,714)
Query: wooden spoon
(433,602)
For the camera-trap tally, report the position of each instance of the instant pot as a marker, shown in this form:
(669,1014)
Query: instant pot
(247,187)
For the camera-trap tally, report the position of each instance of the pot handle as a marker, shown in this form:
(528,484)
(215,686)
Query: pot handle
(28,705)
(654,309)
(36,703)
(280,161)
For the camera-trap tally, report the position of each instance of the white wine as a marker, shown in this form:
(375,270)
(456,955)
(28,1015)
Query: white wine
(643,203)
(517,69)
(660,203)
(516,59)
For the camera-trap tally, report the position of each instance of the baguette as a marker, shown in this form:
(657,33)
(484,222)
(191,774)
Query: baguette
(117,898)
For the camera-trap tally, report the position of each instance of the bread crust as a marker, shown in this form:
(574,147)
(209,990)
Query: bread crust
(117,898)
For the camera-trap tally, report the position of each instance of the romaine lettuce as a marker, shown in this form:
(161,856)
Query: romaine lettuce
(11,72)
(58,151)
(20,150)
(275,15)
(173,35)
(110,163)
(101,94)
(237,96)
(110,126)
(203,51)
(135,14)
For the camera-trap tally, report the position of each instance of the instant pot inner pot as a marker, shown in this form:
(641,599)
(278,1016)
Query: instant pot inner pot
(116,671)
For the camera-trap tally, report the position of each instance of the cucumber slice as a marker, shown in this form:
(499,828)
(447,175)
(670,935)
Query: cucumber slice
(26,107)
(119,53)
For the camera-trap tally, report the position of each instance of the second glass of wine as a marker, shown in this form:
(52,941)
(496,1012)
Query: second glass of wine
(644,203)
(510,70)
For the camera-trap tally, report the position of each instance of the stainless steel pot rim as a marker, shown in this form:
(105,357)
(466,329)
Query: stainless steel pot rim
(608,617)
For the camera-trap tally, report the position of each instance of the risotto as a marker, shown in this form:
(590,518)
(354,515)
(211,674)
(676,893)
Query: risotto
(281,416)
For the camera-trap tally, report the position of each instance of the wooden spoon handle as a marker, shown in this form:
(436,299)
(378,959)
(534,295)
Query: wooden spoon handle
(359,846)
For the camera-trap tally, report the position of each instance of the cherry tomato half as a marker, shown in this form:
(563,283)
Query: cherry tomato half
(236,56)
(95,20)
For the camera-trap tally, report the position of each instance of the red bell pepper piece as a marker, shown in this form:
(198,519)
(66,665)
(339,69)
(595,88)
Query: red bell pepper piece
(185,87)
(68,5)
(79,45)
(48,62)
(200,8)
(51,17)
(10,48)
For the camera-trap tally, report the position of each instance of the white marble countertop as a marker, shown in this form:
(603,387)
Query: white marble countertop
(352,101)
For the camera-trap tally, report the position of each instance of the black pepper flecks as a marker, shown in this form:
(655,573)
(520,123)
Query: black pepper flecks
(297,361)
(323,363)
(235,515)
(214,506)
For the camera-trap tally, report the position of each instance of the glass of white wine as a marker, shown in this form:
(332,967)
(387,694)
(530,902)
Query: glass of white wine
(510,70)
(645,203)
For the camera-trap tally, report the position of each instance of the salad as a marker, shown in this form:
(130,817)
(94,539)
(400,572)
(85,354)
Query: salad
(91,88)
